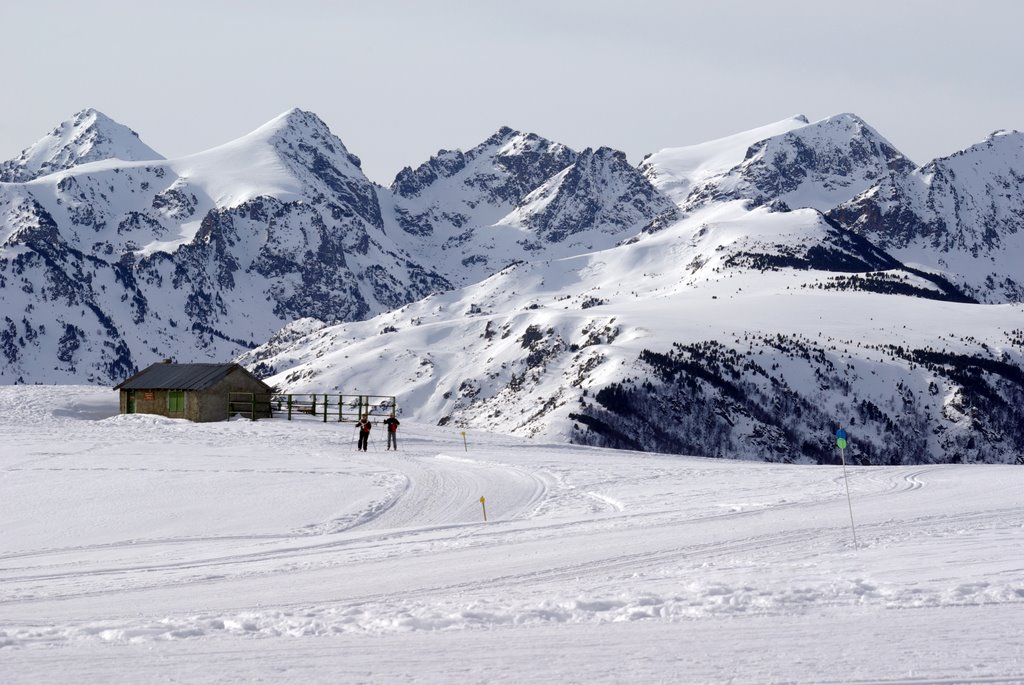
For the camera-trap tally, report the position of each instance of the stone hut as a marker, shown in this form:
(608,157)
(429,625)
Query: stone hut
(197,392)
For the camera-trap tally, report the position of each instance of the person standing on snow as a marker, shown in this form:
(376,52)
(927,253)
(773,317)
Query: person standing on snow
(392,423)
(363,425)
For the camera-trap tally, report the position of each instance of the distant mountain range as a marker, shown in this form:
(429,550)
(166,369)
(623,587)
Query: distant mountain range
(738,298)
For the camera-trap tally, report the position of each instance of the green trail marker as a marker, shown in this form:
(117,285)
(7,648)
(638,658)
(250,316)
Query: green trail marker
(841,439)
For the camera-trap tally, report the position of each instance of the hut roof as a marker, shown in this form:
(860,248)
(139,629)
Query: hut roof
(164,376)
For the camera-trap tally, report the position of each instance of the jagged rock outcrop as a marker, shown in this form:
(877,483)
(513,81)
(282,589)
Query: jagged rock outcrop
(599,193)
(819,165)
(962,215)
(454,189)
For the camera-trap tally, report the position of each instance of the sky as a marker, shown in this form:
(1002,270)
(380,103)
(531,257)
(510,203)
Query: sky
(399,80)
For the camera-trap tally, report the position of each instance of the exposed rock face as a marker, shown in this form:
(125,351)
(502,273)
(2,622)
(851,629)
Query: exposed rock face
(453,193)
(961,214)
(601,190)
(504,168)
(819,166)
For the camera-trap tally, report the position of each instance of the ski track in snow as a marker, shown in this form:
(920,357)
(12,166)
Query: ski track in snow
(140,531)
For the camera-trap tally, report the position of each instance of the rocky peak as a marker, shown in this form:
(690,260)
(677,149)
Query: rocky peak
(676,171)
(501,136)
(446,163)
(601,191)
(322,162)
(505,167)
(300,130)
(963,212)
(819,165)
(88,136)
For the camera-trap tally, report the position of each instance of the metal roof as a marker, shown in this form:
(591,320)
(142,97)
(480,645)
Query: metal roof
(163,376)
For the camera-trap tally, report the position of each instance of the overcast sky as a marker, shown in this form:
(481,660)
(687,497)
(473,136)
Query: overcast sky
(396,81)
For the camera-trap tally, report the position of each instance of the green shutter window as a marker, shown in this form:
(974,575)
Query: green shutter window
(176,402)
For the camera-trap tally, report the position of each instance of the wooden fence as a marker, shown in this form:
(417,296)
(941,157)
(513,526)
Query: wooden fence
(321,406)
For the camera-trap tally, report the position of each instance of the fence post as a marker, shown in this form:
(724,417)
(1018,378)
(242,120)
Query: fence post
(289,407)
(325,407)
(252,404)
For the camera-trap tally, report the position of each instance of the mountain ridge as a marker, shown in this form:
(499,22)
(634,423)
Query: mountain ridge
(744,287)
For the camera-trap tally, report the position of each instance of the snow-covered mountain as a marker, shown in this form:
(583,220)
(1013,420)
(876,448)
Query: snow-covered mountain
(683,341)
(599,196)
(453,189)
(451,205)
(738,326)
(738,298)
(107,266)
(958,217)
(111,264)
(675,171)
(818,165)
(89,136)
(962,215)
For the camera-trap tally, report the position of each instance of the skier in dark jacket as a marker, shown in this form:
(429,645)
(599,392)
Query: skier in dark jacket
(364,426)
(392,423)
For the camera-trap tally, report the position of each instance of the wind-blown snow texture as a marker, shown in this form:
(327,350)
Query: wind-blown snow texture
(741,298)
(143,549)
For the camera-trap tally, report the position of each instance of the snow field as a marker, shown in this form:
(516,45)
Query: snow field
(138,548)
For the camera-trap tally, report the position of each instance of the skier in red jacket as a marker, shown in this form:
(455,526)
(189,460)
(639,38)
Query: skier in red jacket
(364,427)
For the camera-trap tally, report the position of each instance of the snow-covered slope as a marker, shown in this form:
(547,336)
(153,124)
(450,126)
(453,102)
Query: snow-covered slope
(962,215)
(89,136)
(144,550)
(753,336)
(675,171)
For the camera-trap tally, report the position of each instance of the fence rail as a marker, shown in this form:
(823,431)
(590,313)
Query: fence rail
(323,406)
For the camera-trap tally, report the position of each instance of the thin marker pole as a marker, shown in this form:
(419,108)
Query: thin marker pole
(849,502)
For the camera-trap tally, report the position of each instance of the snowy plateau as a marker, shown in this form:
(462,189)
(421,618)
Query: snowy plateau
(140,549)
(738,298)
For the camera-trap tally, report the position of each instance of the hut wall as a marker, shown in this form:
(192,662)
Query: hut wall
(194,404)
(150,402)
(213,405)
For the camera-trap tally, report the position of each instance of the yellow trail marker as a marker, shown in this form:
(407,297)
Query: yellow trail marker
(482,504)
(464,443)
